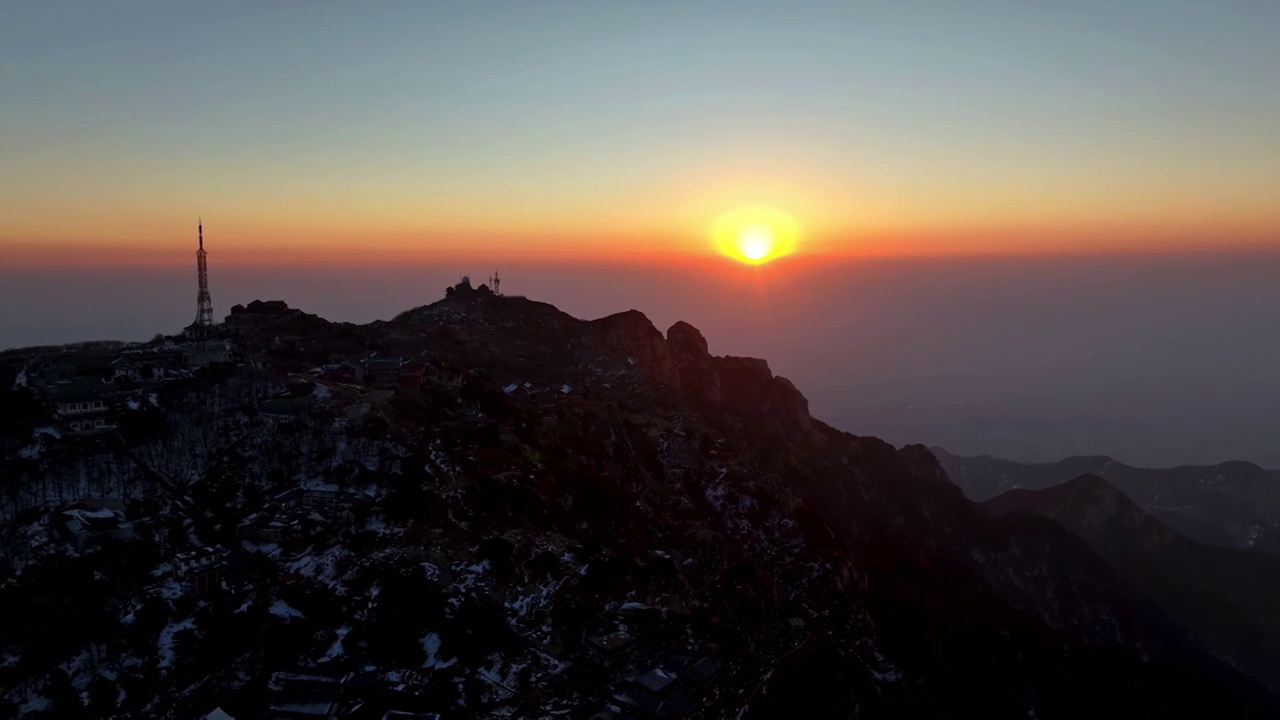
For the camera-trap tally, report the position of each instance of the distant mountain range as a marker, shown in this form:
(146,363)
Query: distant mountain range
(1233,504)
(1229,599)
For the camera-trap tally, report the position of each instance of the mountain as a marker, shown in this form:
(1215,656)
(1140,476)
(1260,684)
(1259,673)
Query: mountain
(1232,504)
(1229,598)
(485,507)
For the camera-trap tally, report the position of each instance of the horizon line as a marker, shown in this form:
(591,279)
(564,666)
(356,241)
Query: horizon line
(82,256)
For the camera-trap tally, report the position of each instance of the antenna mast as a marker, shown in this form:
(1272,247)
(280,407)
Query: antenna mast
(204,305)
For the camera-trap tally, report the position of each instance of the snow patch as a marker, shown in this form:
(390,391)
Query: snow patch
(468,577)
(431,646)
(322,567)
(164,642)
(282,609)
(35,704)
(336,649)
(101,513)
(169,589)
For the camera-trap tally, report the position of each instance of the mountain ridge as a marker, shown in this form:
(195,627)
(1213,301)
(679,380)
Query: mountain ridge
(563,517)
(1227,597)
(1232,504)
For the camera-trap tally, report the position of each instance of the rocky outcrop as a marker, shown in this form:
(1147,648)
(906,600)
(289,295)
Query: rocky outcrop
(740,385)
(695,367)
(686,341)
(681,361)
(923,463)
(630,334)
(749,387)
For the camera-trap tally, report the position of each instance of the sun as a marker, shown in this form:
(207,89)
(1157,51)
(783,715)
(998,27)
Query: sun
(755,243)
(755,234)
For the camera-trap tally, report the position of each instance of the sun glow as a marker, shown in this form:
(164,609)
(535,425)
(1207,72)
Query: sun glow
(755,243)
(755,234)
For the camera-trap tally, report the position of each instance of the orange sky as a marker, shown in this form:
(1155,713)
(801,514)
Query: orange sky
(840,213)
(316,249)
(384,137)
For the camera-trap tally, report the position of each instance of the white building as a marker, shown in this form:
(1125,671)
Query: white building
(81,407)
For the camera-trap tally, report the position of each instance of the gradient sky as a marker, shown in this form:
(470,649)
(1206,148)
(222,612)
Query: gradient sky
(586,148)
(571,129)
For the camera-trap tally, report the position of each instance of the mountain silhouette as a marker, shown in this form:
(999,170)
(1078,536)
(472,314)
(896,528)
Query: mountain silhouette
(485,506)
(1230,599)
(1232,504)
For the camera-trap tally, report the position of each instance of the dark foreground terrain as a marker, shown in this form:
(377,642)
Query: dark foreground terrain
(488,508)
